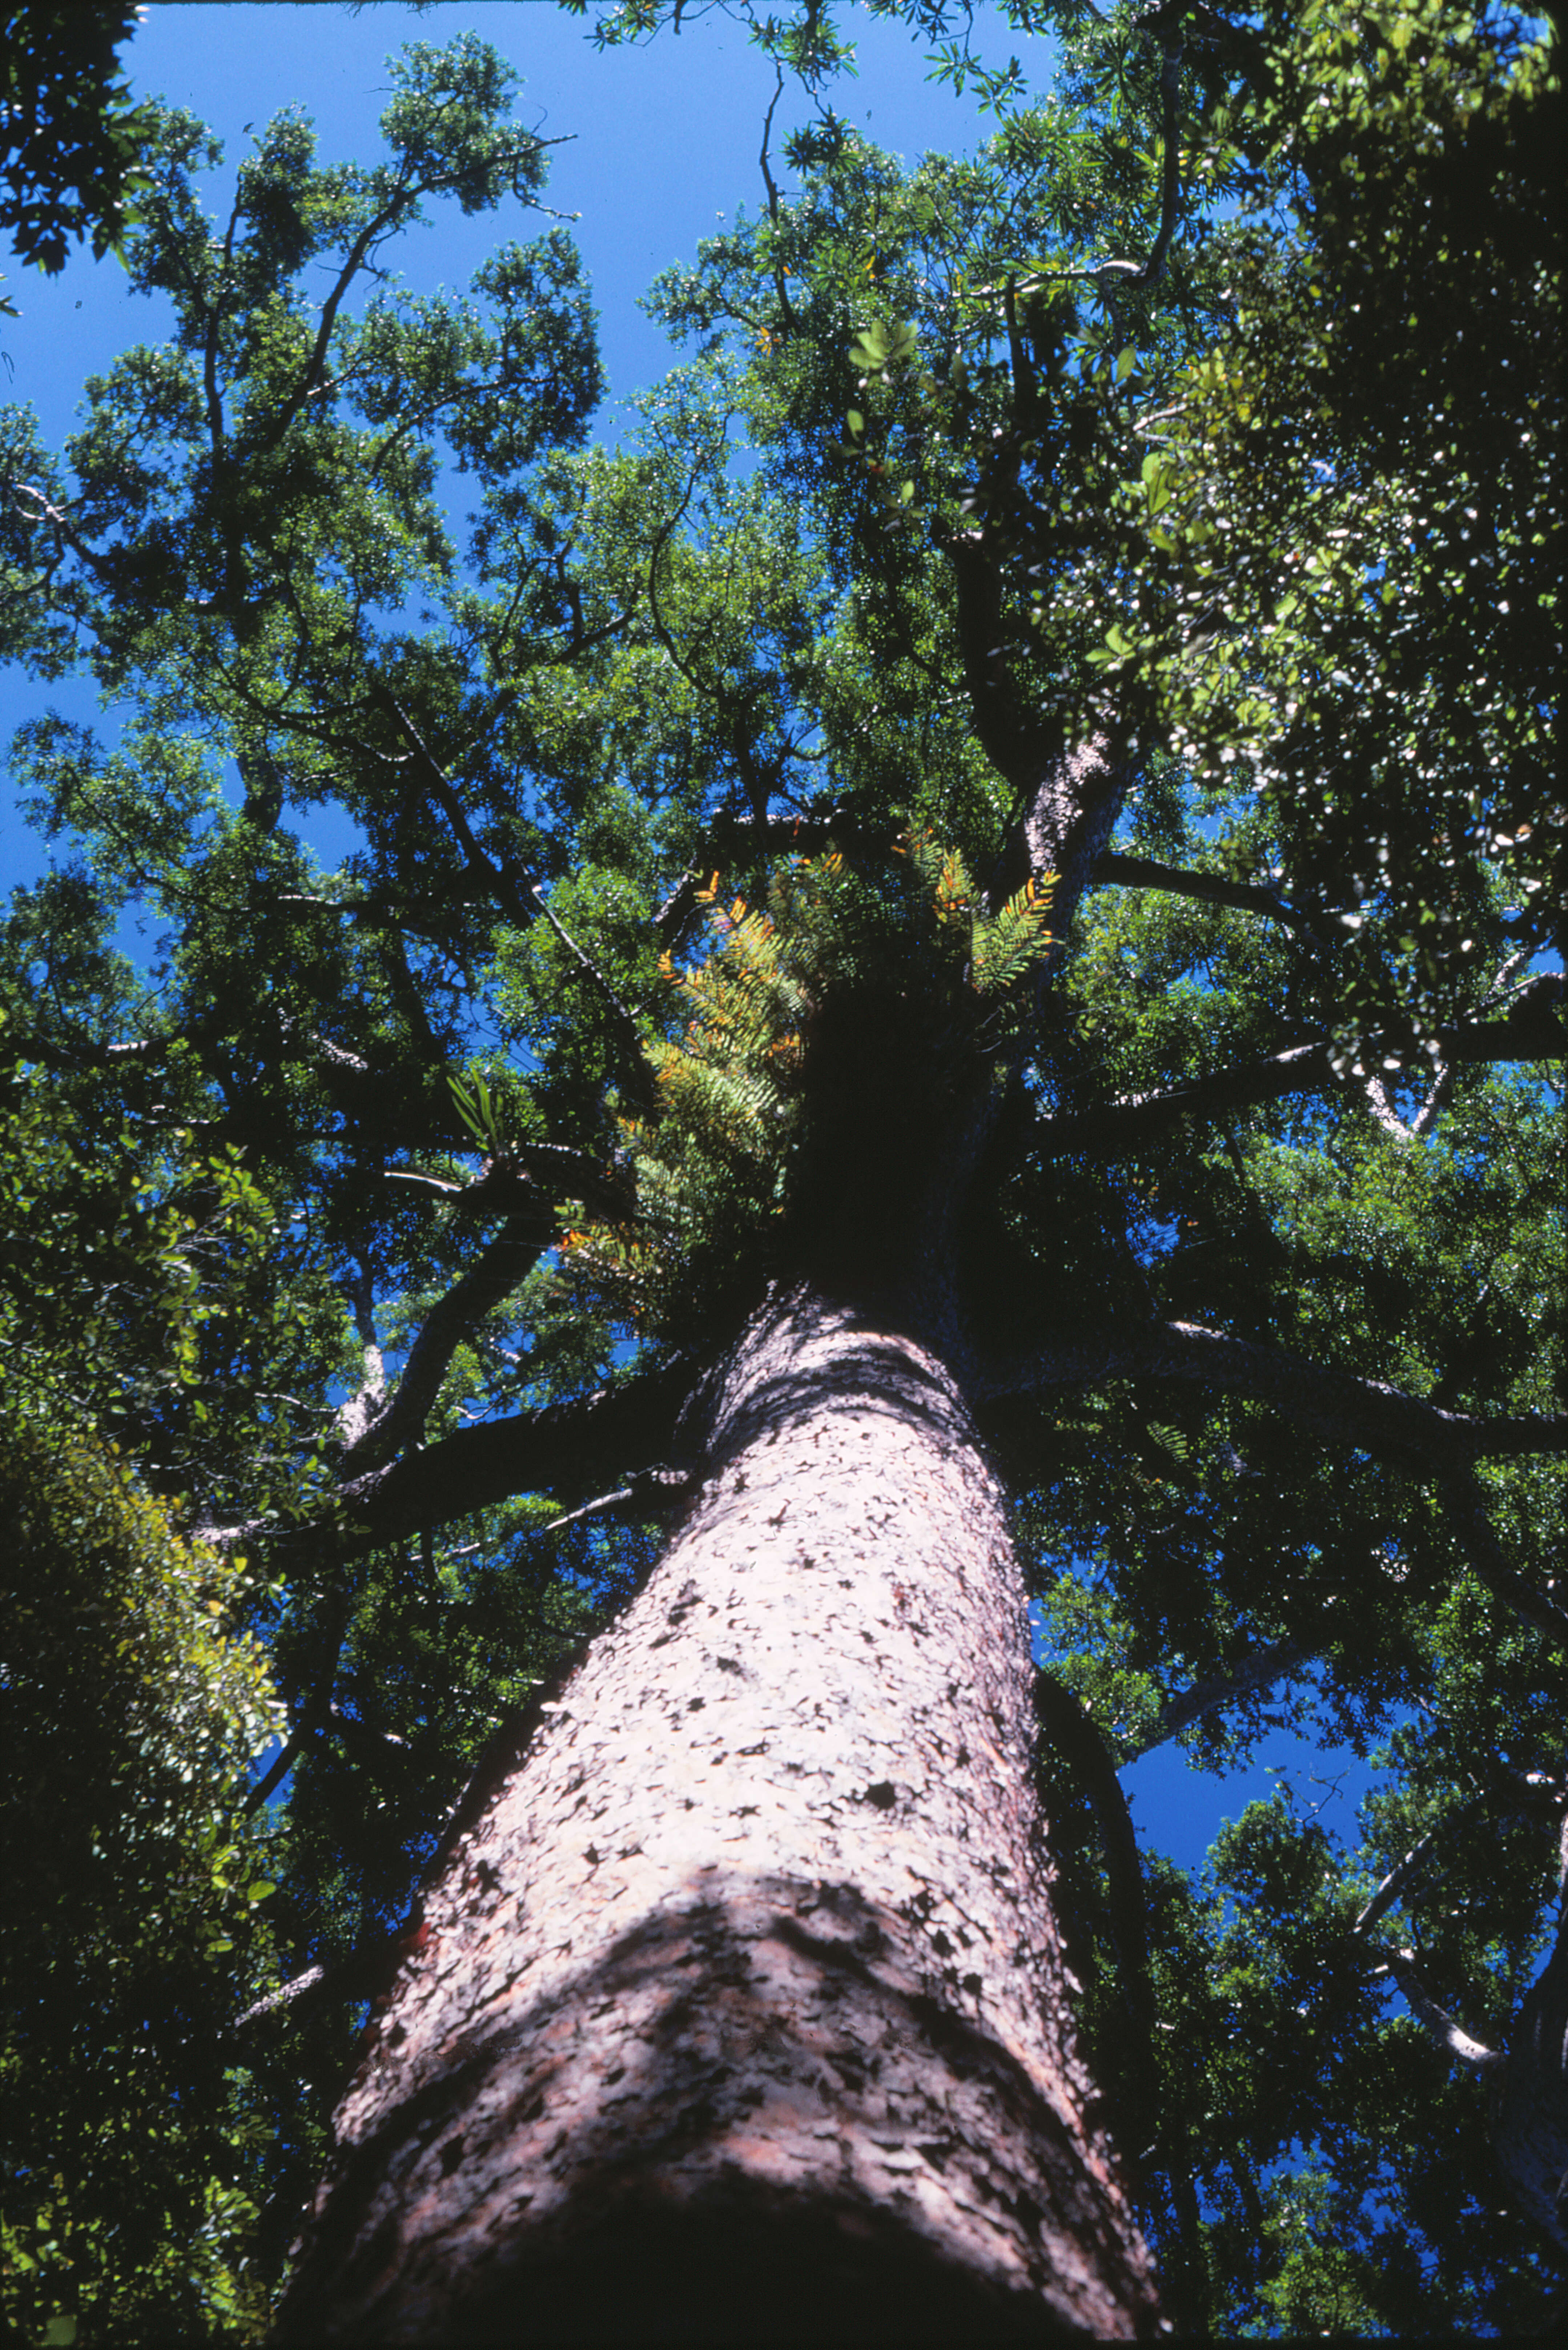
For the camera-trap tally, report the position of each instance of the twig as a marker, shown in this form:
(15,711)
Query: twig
(662,1487)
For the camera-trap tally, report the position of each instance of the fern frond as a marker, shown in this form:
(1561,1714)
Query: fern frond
(1014,939)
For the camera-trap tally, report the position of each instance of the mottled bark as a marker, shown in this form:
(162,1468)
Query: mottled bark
(740,2014)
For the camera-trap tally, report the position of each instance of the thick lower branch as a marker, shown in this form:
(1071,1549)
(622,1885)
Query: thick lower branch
(1366,1413)
(1209,889)
(565,1450)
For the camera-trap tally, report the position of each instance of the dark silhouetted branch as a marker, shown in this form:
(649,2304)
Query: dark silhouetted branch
(1531,1031)
(565,1448)
(1211,889)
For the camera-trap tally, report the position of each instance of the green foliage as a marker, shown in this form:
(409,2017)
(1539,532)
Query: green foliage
(714,1161)
(1362,478)
(70,148)
(1005,490)
(132,1713)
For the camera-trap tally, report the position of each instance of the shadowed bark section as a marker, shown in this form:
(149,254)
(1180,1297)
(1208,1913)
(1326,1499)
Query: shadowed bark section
(740,2014)
(1529,2109)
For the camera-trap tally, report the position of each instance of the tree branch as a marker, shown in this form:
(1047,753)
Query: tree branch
(67,534)
(1383,1899)
(1364,1413)
(655,1489)
(1402,1966)
(489,1279)
(362,1410)
(1167,27)
(565,1448)
(1252,897)
(1530,1032)
(638,1076)
(498,883)
(1466,1507)
(531,1170)
(145,1053)
(313,1711)
(1264,1666)
(1074,1733)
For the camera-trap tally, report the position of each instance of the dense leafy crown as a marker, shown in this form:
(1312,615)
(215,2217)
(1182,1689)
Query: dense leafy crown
(723,899)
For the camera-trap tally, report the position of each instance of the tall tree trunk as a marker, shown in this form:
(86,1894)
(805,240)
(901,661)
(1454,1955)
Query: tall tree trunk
(742,2013)
(1529,2098)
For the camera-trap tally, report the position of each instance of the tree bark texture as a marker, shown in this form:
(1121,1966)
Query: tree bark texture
(740,2014)
(1530,2104)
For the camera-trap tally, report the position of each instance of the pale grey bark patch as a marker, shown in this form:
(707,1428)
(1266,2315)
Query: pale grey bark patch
(741,2013)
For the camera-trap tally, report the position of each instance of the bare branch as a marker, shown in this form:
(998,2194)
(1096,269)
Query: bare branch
(1256,1671)
(360,1414)
(659,1488)
(144,1052)
(429,1182)
(600,1506)
(1437,1099)
(1402,1966)
(1529,1793)
(65,532)
(1073,1731)
(1383,1899)
(311,1979)
(780,287)
(1383,1111)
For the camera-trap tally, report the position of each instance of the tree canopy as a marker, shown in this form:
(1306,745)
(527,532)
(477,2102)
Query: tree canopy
(70,137)
(1199,434)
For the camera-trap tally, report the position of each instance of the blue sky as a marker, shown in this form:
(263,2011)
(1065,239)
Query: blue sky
(660,144)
